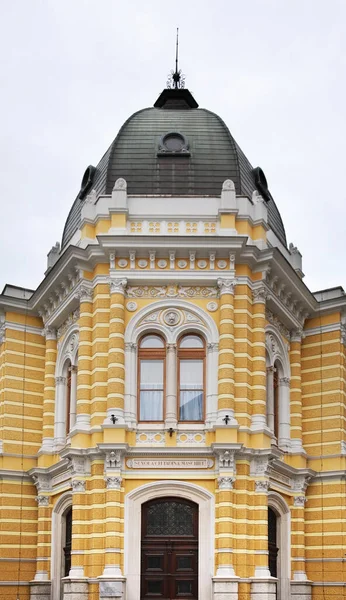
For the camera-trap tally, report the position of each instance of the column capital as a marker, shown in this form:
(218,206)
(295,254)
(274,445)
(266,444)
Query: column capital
(42,500)
(84,293)
(226,286)
(285,381)
(260,294)
(49,333)
(299,501)
(60,380)
(130,346)
(261,486)
(226,483)
(78,486)
(117,285)
(113,483)
(213,347)
(171,348)
(270,369)
(297,335)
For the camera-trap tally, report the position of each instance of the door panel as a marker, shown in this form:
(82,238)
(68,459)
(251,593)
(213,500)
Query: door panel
(169,551)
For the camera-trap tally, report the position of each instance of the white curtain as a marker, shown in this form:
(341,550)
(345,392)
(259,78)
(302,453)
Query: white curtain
(191,390)
(151,390)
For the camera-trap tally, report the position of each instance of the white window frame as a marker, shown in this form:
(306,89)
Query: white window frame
(67,353)
(277,357)
(202,324)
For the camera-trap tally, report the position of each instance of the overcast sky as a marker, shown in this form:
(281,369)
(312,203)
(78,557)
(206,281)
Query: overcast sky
(72,71)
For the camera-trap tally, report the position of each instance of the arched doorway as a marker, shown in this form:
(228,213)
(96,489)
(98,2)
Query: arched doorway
(169,549)
(67,543)
(272,544)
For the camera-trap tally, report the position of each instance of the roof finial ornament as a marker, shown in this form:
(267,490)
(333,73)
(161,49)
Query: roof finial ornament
(176,79)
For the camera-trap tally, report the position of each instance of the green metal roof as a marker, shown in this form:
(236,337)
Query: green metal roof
(213,156)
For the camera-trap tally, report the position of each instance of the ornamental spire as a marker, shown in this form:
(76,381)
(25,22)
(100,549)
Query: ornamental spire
(176,79)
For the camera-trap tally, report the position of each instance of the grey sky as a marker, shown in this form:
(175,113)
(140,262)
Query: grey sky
(72,71)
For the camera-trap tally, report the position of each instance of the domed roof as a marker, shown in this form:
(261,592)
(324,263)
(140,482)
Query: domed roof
(174,148)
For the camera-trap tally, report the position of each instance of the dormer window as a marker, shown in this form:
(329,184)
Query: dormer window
(174,143)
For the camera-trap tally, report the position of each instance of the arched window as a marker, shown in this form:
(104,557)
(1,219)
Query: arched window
(191,378)
(278,389)
(68,398)
(151,378)
(276,415)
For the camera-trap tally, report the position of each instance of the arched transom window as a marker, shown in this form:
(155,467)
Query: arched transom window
(191,378)
(151,378)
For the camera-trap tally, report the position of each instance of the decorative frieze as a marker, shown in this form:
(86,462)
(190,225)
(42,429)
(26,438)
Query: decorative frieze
(71,319)
(61,292)
(171,291)
(274,320)
(152,438)
(172,318)
(190,439)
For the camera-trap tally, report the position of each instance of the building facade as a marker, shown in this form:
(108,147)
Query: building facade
(172,395)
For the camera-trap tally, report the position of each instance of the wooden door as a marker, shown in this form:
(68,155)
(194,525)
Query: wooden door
(272,543)
(169,550)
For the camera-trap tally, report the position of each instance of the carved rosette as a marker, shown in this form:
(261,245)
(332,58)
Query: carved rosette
(42,500)
(117,285)
(78,486)
(226,483)
(299,501)
(113,483)
(226,286)
(261,486)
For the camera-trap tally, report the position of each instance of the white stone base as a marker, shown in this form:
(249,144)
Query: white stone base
(301,590)
(264,589)
(225,588)
(111,588)
(40,590)
(75,589)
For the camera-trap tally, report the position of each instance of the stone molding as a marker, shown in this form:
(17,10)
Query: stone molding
(171,291)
